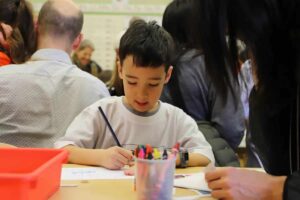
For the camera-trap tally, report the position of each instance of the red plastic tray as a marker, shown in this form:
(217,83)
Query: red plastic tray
(30,174)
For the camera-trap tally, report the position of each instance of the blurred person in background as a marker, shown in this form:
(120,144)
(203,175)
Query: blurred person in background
(41,97)
(82,57)
(194,86)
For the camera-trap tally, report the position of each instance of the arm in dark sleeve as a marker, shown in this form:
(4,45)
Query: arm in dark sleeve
(204,103)
(228,117)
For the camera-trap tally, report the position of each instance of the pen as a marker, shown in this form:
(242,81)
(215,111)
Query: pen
(109,126)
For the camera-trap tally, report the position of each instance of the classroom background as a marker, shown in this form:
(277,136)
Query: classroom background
(105,19)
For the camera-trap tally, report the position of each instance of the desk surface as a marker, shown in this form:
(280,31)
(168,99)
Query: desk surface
(111,189)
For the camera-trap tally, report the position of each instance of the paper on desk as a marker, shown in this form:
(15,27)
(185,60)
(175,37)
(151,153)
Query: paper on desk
(193,181)
(92,173)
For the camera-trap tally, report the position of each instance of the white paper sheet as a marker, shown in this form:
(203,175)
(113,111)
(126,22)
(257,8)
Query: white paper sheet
(193,181)
(92,173)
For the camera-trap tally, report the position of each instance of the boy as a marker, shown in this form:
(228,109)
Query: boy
(138,117)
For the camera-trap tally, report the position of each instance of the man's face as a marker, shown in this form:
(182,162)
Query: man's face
(84,56)
(142,85)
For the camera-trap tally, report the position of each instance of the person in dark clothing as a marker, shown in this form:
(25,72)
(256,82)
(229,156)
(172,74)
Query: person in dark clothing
(271,30)
(192,86)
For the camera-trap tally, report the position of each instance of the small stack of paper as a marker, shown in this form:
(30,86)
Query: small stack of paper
(92,173)
(192,181)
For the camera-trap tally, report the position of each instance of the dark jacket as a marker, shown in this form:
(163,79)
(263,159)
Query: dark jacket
(201,100)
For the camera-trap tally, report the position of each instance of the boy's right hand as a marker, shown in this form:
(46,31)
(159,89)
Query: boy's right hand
(116,158)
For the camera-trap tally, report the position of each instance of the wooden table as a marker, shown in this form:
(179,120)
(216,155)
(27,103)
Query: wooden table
(111,189)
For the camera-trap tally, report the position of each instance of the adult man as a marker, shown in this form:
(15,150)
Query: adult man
(40,98)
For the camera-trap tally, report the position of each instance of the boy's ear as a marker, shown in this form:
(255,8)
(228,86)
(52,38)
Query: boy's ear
(120,69)
(168,75)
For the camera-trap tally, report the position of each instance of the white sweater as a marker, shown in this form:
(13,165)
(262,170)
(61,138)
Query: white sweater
(161,129)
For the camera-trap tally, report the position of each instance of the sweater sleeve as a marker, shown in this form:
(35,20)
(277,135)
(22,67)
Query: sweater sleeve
(191,138)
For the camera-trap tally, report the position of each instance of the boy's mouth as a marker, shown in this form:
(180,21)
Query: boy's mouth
(141,103)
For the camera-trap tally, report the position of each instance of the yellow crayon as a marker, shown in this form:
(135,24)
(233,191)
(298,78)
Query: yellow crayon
(156,154)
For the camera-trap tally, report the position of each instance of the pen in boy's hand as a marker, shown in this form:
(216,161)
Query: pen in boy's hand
(109,126)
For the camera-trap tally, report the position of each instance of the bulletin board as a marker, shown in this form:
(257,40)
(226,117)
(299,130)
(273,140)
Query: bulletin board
(104,20)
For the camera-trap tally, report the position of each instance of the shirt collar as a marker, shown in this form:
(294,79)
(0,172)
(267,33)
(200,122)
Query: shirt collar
(142,114)
(51,54)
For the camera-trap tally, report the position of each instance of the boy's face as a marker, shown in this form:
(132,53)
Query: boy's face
(142,85)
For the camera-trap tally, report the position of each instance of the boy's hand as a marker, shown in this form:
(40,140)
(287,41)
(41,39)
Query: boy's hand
(116,158)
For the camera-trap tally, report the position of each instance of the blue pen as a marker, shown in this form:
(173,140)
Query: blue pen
(109,126)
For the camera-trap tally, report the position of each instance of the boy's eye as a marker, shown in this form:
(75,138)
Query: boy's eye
(131,83)
(154,85)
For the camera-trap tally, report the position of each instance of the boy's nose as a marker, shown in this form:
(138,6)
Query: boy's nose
(143,92)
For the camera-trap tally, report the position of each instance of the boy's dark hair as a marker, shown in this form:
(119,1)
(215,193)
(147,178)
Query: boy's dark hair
(148,43)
